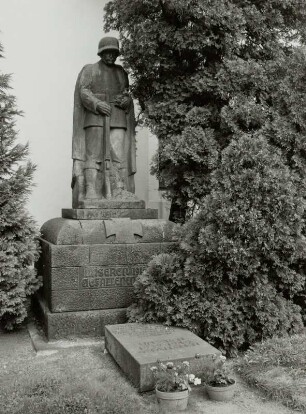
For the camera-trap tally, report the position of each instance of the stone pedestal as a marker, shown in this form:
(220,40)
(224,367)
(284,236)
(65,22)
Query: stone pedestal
(89,261)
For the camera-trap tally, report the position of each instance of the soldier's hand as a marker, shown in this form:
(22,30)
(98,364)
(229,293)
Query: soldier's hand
(125,102)
(103,108)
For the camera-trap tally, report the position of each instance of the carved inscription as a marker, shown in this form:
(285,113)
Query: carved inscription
(165,345)
(140,330)
(109,277)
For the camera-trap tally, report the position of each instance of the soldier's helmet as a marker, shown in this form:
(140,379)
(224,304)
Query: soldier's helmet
(108,43)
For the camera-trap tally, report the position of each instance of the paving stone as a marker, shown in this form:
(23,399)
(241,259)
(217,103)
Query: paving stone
(137,347)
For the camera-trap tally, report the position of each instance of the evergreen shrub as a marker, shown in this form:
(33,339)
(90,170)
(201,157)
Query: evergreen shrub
(239,266)
(222,84)
(18,245)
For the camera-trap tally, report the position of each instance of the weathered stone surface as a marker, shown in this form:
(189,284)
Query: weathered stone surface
(66,255)
(108,213)
(117,230)
(112,204)
(76,324)
(103,114)
(98,271)
(90,287)
(93,298)
(65,278)
(141,253)
(137,347)
(125,230)
(93,231)
(62,231)
(108,254)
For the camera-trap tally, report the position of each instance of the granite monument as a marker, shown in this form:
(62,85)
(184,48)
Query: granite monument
(91,255)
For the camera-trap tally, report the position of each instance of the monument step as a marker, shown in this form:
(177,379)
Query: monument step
(109,212)
(80,324)
(111,204)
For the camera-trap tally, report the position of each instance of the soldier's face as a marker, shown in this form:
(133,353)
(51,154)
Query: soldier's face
(109,57)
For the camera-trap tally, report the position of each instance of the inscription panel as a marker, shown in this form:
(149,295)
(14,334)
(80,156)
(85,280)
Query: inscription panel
(142,330)
(145,347)
(111,276)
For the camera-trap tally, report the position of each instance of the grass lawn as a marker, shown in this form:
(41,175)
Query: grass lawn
(278,367)
(74,381)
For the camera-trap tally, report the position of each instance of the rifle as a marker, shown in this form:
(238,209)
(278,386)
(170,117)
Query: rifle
(107,158)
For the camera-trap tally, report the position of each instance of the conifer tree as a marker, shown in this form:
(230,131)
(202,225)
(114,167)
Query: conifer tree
(18,246)
(202,72)
(222,84)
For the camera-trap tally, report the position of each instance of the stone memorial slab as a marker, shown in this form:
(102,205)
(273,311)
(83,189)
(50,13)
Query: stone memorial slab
(137,347)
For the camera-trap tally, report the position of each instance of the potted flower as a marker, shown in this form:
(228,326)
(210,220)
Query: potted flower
(220,386)
(172,385)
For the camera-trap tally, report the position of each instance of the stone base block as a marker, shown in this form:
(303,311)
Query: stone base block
(92,264)
(137,347)
(107,213)
(112,204)
(76,324)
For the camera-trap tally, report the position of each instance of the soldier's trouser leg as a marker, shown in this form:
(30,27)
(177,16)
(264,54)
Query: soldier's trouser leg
(118,143)
(93,146)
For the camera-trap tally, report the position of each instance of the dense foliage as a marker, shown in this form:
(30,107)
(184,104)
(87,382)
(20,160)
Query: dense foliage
(241,260)
(202,71)
(223,86)
(18,248)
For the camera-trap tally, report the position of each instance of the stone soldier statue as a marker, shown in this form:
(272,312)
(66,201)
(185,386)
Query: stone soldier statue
(103,145)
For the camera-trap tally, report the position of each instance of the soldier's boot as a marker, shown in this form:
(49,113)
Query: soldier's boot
(90,183)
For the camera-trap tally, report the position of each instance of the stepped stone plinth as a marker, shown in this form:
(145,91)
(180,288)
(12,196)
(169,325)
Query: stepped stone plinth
(89,262)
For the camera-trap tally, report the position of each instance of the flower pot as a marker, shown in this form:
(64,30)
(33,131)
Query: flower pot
(221,393)
(172,401)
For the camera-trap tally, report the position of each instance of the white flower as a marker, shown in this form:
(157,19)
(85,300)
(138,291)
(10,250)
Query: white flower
(185,363)
(191,377)
(223,358)
(197,381)
(169,365)
(153,369)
